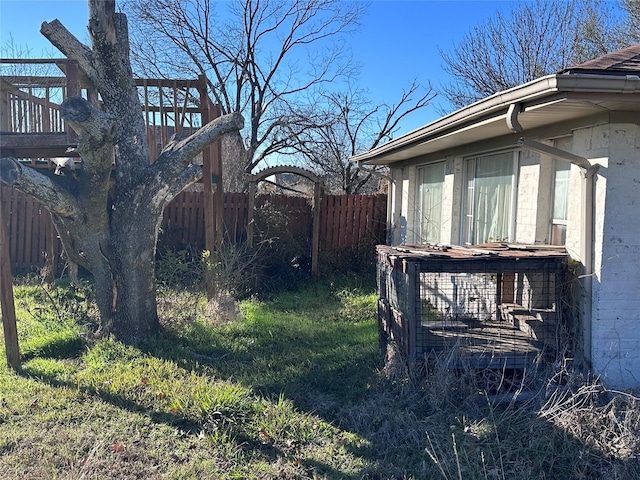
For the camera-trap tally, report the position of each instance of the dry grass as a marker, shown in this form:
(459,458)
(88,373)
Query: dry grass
(541,424)
(290,388)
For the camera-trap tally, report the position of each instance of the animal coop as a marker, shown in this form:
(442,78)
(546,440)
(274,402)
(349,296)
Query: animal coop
(498,305)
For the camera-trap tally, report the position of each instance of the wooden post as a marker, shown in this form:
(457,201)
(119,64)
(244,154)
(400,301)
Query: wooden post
(211,184)
(6,295)
(250,211)
(207,186)
(218,192)
(73,90)
(5,111)
(315,243)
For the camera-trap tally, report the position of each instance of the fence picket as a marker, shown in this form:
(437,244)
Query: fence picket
(344,220)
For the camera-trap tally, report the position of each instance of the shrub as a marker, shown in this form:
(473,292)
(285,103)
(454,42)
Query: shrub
(285,254)
(359,259)
(180,268)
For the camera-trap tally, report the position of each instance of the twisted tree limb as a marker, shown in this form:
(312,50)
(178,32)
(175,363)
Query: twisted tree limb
(28,180)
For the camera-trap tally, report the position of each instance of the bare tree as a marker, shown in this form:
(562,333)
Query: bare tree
(261,58)
(630,33)
(352,125)
(534,39)
(113,236)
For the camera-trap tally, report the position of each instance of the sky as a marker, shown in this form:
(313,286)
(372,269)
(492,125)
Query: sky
(398,40)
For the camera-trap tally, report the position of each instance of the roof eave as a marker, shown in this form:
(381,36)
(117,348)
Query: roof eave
(497,105)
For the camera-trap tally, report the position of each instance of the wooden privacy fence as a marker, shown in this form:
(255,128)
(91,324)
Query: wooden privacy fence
(345,220)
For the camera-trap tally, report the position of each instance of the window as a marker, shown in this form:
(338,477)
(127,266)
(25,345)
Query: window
(490,198)
(561,174)
(428,215)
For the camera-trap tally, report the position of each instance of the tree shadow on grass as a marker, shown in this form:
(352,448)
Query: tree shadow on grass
(269,449)
(339,383)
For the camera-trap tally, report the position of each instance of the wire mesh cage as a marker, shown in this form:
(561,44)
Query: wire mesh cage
(499,306)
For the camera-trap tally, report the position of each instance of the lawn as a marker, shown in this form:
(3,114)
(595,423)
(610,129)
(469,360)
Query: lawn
(291,387)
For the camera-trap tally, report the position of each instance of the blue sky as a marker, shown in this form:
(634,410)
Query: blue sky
(397,42)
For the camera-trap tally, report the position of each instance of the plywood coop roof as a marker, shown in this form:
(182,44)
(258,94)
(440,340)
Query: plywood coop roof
(489,252)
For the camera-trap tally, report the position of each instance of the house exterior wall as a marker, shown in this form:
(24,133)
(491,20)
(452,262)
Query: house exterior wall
(615,316)
(398,203)
(610,327)
(452,201)
(527,197)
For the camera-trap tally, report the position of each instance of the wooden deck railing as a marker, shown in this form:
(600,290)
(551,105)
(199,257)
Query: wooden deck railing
(31,91)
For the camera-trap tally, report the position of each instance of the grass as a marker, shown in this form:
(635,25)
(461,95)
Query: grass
(288,388)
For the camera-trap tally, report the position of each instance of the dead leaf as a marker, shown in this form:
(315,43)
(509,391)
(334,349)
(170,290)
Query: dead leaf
(265,436)
(118,447)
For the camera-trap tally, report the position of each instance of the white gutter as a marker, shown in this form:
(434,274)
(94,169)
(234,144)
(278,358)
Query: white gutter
(500,102)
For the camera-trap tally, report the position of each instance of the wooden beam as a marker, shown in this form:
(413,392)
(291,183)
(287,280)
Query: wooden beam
(207,185)
(216,172)
(6,295)
(33,140)
(315,242)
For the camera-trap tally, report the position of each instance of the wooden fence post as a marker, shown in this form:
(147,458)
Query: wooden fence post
(210,213)
(216,171)
(6,295)
(250,211)
(315,241)
(51,252)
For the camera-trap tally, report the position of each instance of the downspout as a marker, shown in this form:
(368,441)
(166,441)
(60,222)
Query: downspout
(587,247)
(587,171)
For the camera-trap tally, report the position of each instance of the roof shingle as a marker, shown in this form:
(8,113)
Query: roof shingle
(622,61)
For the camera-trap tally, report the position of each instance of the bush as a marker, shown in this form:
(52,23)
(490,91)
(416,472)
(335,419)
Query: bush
(285,255)
(359,259)
(180,268)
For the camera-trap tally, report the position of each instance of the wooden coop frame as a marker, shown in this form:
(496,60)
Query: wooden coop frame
(499,306)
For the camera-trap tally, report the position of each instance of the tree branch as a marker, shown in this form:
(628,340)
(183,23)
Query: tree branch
(39,186)
(95,128)
(188,176)
(177,155)
(172,171)
(69,45)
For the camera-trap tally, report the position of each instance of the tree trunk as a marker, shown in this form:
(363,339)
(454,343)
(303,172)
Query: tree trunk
(114,237)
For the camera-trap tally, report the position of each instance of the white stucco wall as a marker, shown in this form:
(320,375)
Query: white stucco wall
(527,197)
(398,207)
(615,322)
